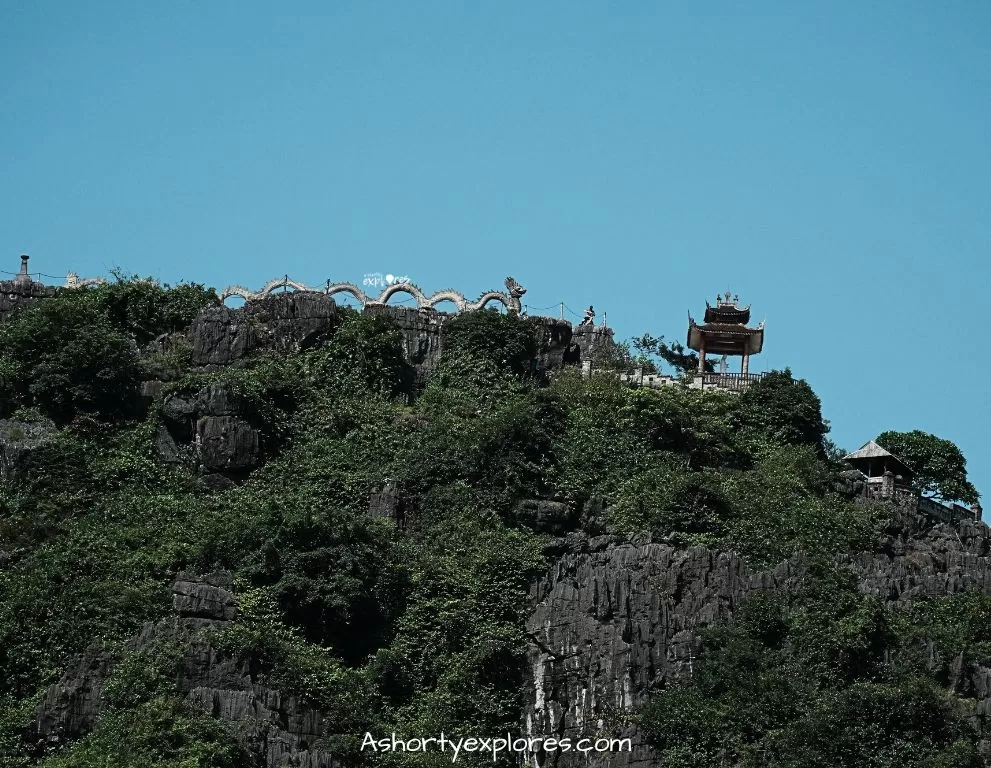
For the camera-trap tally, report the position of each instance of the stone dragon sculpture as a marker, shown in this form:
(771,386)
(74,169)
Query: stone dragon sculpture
(509,299)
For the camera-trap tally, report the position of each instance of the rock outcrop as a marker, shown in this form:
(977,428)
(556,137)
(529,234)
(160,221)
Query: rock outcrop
(206,430)
(287,322)
(221,336)
(290,322)
(553,517)
(18,440)
(389,503)
(588,343)
(554,341)
(614,620)
(15,295)
(916,559)
(421,329)
(280,730)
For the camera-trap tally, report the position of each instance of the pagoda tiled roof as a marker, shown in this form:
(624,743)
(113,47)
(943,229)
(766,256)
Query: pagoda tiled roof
(727,313)
(730,329)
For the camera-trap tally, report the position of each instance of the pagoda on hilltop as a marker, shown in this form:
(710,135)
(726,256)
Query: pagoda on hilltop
(724,331)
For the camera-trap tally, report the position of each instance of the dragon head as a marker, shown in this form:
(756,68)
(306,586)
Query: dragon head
(515,289)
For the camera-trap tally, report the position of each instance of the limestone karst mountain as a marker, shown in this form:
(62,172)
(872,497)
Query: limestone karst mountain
(254,536)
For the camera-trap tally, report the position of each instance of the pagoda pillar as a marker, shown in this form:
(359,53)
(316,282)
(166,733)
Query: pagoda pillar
(702,355)
(745,365)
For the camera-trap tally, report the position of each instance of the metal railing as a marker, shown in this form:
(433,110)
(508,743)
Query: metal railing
(734,382)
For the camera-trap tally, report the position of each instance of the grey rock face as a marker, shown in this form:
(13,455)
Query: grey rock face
(588,342)
(285,322)
(388,503)
(554,340)
(289,322)
(553,517)
(227,443)
(71,706)
(204,597)
(421,329)
(18,439)
(279,730)
(205,430)
(850,483)
(221,336)
(915,559)
(14,296)
(613,621)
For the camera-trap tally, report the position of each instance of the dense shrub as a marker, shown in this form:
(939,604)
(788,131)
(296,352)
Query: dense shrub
(66,358)
(144,308)
(939,465)
(784,410)
(162,733)
(806,685)
(77,353)
(506,340)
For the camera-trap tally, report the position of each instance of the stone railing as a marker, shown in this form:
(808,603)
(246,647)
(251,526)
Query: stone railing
(724,382)
(947,513)
(730,382)
(885,488)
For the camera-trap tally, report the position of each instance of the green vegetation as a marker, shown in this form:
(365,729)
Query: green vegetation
(502,339)
(939,466)
(163,732)
(77,353)
(651,350)
(830,678)
(419,628)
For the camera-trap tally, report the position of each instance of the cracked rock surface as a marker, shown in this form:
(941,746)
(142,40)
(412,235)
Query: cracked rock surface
(612,620)
(278,729)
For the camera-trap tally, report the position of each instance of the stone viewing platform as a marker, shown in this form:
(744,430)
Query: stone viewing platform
(724,382)
(724,331)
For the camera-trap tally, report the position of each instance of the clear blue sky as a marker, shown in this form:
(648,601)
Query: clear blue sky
(830,162)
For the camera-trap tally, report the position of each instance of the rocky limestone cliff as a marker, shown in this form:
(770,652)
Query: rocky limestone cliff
(285,322)
(589,342)
(423,331)
(613,620)
(206,430)
(289,322)
(277,729)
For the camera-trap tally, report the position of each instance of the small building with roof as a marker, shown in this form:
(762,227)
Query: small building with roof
(724,331)
(889,478)
(874,460)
